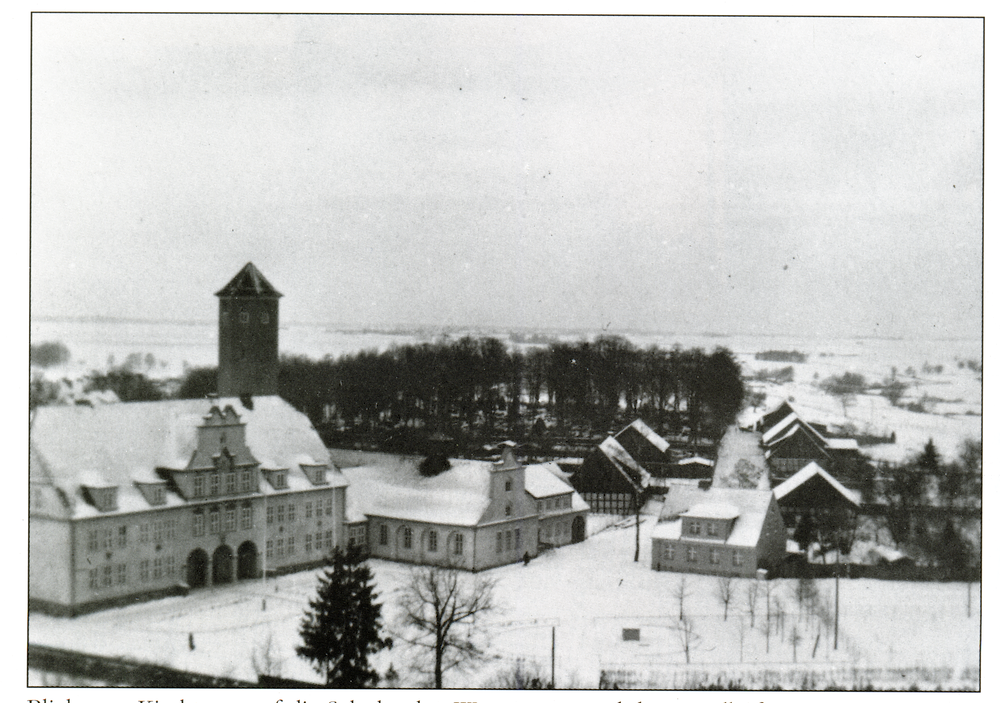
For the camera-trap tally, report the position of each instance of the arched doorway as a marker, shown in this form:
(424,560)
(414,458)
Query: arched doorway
(222,565)
(197,568)
(579,529)
(246,561)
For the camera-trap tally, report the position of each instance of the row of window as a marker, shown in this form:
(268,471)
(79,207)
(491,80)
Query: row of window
(285,546)
(106,538)
(506,541)
(554,531)
(111,575)
(222,520)
(711,528)
(288,513)
(557,503)
(714,555)
(223,483)
(245,317)
(458,544)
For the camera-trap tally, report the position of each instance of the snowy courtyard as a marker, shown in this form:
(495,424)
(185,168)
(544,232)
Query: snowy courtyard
(575,601)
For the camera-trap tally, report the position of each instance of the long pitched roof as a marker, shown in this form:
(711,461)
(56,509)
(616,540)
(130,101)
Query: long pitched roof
(121,443)
(810,471)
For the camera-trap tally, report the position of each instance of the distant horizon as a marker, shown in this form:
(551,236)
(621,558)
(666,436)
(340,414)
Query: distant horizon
(409,328)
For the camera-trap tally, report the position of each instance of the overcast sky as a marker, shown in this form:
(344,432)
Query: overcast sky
(784,176)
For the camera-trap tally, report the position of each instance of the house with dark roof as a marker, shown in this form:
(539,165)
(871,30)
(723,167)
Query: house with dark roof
(719,531)
(610,480)
(474,515)
(129,501)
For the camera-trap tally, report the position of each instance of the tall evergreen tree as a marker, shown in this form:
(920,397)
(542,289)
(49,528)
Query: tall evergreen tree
(343,624)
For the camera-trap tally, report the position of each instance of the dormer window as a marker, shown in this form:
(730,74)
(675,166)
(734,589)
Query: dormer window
(711,529)
(154,493)
(104,498)
(277,478)
(316,473)
(694,528)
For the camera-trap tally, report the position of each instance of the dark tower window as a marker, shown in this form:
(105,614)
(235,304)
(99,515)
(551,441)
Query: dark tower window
(244,317)
(264,318)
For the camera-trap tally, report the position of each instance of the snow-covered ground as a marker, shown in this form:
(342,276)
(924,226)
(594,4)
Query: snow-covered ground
(587,594)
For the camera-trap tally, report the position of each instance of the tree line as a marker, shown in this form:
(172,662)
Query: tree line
(478,385)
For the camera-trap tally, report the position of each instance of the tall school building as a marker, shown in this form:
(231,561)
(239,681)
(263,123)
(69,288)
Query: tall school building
(130,501)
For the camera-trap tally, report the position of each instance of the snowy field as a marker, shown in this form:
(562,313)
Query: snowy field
(587,593)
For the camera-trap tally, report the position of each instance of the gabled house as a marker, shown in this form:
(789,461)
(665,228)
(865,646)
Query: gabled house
(610,480)
(648,449)
(721,531)
(474,515)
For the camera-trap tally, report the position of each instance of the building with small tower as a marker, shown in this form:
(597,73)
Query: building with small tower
(248,335)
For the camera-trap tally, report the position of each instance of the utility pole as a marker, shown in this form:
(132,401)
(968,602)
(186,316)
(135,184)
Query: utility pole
(637,525)
(836,600)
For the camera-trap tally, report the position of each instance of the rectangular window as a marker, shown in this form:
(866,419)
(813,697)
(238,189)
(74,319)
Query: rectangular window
(737,559)
(291,513)
(517,539)
(171,528)
(328,539)
(309,510)
(245,481)
(144,570)
(432,541)
(107,538)
(383,534)
(106,576)
(309,542)
(199,486)
(94,580)
(713,556)
(230,482)
(695,528)
(158,531)
(213,521)
(407,538)
(329,506)
(270,514)
(279,547)
(122,536)
(281,514)
(92,543)
(506,486)
(170,568)
(669,553)
(508,543)
(459,543)
(692,554)
(197,528)
(246,517)
(291,545)
(499,542)
(157,568)
(120,574)
(230,518)
(213,484)
(270,549)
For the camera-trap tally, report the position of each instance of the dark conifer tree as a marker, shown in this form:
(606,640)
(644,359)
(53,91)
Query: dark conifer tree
(343,624)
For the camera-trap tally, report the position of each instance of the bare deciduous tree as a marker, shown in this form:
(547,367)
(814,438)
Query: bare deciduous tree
(724,590)
(680,592)
(752,593)
(439,607)
(265,659)
(688,639)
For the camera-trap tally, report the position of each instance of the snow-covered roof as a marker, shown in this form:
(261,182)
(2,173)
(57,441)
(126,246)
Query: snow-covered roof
(716,510)
(126,442)
(647,432)
(696,460)
(779,428)
(807,472)
(751,506)
(542,480)
(624,462)
(842,443)
(458,496)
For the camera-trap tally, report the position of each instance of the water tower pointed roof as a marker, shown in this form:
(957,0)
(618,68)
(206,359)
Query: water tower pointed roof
(249,283)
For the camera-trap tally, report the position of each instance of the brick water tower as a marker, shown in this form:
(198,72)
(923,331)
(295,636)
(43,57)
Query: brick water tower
(248,335)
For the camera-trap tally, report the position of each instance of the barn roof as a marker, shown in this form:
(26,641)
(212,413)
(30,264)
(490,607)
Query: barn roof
(810,479)
(643,430)
(249,283)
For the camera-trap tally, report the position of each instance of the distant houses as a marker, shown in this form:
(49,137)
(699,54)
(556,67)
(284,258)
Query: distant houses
(720,531)
(790,443)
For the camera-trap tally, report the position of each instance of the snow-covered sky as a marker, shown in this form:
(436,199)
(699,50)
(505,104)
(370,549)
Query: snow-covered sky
(688,174)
